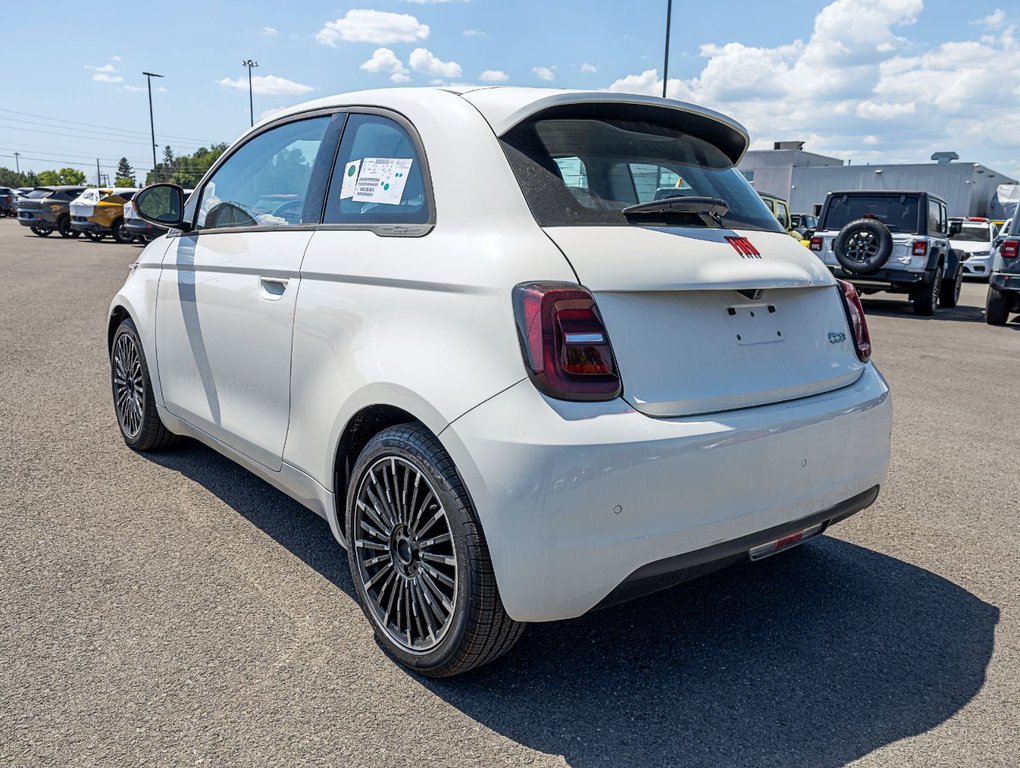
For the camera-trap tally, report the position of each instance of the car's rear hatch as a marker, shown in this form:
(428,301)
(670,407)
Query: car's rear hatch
(696,327)
(708,303)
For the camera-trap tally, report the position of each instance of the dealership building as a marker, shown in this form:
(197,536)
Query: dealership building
(805,178)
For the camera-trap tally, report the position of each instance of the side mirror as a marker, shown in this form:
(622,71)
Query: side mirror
(162,205)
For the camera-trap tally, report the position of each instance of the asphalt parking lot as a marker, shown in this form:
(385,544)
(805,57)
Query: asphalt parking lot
(173,609)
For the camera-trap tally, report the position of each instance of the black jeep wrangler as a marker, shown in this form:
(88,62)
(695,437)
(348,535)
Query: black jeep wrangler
(891,241)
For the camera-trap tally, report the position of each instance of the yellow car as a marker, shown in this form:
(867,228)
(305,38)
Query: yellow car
(100,212)
(781,210)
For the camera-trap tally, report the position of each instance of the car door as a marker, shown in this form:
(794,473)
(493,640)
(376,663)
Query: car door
(227,292)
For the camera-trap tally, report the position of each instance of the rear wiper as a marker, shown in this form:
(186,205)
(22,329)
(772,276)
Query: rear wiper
(710,209)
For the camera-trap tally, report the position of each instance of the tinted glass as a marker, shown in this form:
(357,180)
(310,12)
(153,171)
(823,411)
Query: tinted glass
(626,162)
(973,233)
(38,194)
(264,183)
(378,177)
(898,212)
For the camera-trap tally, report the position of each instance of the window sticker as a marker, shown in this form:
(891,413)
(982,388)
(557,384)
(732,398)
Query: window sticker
(350,182)
(381,180)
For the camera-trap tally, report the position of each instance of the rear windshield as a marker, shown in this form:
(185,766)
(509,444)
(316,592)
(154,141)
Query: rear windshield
(585,171)
(970,233)
(898,212)
(38,194)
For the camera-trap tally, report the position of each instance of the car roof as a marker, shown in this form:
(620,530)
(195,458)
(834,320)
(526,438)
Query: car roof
(503,107)
(885,192)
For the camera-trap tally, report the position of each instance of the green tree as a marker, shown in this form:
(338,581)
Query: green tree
(9,178)
(185,170)
(63,176)
(125,174)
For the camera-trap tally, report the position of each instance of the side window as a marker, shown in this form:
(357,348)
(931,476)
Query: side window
(264,183)
(934,218)
(378,177)
(573,171)
(943,220)
(783,214)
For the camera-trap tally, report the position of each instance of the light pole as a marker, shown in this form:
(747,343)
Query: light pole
(17,162)
(251,102)
(152,124)
(665,61)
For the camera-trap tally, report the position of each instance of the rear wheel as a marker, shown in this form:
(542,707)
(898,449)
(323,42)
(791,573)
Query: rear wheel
(65,229)
(42,231)
(997,306)
(137,417)
(926,295)
(95,237)
(949,294)
(419,560)
(120,234)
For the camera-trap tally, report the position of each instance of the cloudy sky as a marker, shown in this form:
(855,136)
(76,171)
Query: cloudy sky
(867,80)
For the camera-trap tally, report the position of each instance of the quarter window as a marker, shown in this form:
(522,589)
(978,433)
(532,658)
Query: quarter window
(265,182)
(934,220)
(378,177)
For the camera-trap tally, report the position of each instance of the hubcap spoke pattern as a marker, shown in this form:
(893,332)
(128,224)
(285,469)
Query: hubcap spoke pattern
(128,385)
(406,558)
(862,246)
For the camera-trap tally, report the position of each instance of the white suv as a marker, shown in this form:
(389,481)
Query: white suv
(467,329)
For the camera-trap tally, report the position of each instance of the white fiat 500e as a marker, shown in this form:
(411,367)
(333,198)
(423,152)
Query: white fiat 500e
(529,352)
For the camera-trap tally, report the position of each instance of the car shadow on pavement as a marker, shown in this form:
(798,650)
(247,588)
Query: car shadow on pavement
(903,308)
(813,658)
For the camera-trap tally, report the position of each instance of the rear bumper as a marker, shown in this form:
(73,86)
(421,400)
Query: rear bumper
(142,227)
(42,219)
(577,499)
(1005,282)
(882,277)
(89,226)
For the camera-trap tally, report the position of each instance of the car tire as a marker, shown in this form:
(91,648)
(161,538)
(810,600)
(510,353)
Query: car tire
(949,293)
(926,295)
(404,486)
(997,305)
(121,235)
(65,229)
(42,231)
(95,237)
(133,402)
(863,246)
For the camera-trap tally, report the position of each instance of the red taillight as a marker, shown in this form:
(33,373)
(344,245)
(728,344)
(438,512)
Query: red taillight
(920,248)
(564,341)
(816,243)
(1009,249)
(858,323)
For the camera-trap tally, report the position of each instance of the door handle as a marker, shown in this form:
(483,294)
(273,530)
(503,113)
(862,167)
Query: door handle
(272,288)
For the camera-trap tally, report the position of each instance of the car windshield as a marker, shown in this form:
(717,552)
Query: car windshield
(586,171)
(973,233)
(898,212)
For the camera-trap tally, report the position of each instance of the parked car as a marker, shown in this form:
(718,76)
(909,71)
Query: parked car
(8,202)
(781,210)
(47,209)
(516,395)
(100,212)
(138,227)
(1004,283)
(891,241)
(805,224)
(975,238)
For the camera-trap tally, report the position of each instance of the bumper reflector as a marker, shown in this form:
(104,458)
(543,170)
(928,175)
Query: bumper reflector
(770,548)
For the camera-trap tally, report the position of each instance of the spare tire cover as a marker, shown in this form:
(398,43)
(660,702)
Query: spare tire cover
(863,246)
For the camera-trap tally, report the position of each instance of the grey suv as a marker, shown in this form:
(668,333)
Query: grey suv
(46,209)
(1004,283)
(891,241)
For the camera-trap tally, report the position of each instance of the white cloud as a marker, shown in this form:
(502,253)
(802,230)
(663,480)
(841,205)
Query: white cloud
(589,69)
(270,31)
(860,87)
(424,61)
(385,61)
(494,76)
(473,33)
(365,26)
(134,88)
(544,73)
(102,77)
(104,68)
(115,58)
(267,85)
(992,20)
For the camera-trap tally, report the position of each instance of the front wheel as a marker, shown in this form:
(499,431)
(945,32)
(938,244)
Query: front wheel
(996,306)
(926,295)
(42,231)
(95,237)
(949,294)
(419,559)
(140,425)
(120,234)
(65,229)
